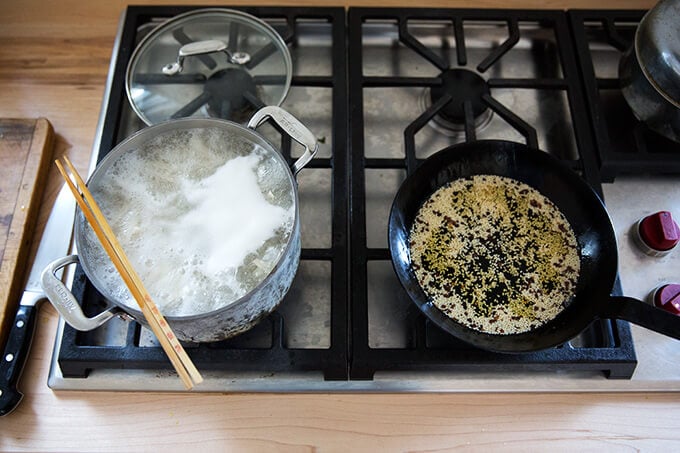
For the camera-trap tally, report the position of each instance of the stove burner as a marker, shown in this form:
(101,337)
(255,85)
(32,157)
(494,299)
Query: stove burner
(231,90)
(229,93)
(464,86)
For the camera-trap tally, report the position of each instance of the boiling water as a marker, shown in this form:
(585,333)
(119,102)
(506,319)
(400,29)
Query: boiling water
(203,217)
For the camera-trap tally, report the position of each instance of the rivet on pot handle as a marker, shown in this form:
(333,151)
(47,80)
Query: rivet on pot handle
(293,127)
(201,48)
(65,303)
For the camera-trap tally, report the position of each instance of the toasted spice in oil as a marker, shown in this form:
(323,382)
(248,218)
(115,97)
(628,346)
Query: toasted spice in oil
(494,254)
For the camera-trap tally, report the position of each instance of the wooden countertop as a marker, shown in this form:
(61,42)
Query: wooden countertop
(54,59)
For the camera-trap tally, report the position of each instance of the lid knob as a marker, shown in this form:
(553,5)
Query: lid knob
(658,233)
(668,298)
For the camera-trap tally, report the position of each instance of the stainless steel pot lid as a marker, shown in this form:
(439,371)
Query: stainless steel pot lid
(212,62)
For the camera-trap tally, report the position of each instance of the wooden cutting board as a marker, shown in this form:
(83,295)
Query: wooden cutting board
(25,152)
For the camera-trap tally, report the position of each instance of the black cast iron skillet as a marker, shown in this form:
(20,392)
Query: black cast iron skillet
(579,204)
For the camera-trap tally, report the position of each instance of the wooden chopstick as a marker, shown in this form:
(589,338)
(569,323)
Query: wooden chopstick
(172,347)
(159,326)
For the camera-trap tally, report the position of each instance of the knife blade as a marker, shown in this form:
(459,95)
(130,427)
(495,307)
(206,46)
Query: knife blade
(54,243)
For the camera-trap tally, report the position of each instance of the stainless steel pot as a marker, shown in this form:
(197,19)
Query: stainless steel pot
(238,315)
(650,70)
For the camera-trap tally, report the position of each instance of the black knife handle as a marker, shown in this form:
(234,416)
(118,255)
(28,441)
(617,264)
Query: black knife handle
(14,357)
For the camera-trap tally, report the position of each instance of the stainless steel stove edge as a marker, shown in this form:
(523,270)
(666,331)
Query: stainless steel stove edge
(396,382)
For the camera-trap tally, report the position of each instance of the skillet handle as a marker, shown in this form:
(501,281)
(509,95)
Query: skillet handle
(643,314)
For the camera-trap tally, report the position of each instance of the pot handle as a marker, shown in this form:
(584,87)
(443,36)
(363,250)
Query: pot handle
(65,303)
(197,48)
(293,127)
(643,314)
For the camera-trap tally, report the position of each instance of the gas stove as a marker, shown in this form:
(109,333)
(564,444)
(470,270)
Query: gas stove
(371,84)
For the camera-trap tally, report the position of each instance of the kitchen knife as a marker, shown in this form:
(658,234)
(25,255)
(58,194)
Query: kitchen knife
(53,244)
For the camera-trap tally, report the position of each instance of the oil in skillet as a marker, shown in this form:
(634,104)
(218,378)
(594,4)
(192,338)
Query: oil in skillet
(494,254)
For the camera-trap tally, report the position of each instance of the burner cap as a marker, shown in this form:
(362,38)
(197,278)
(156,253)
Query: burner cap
(462,85)
(228,89)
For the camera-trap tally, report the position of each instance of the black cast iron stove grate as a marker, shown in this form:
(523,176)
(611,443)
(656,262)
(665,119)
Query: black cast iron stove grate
(264,349)
(443,40)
